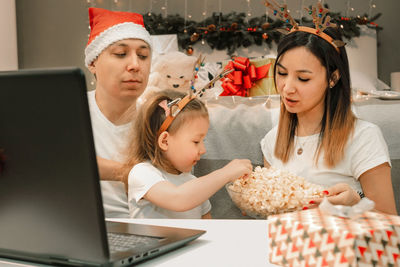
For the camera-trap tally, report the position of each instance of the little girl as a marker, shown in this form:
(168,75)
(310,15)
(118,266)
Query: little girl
(168,141)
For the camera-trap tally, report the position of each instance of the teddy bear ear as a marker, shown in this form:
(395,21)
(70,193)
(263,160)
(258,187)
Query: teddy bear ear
(159,65)
(193,59)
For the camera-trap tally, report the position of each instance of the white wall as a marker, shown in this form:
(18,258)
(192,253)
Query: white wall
(41,43)
(8,36)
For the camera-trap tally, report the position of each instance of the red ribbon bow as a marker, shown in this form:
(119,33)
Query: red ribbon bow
(243,77)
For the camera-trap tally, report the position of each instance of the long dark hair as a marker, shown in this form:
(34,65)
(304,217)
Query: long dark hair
(338,120)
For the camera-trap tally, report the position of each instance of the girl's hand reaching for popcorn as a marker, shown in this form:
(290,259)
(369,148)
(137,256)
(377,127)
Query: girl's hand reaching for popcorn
(238,168)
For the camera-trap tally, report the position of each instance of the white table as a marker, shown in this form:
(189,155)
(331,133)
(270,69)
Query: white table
(226,243)
(233,243)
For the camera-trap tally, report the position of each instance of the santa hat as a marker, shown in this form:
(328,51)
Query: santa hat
(108,27)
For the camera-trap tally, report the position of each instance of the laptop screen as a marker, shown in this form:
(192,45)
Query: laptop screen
(50,201)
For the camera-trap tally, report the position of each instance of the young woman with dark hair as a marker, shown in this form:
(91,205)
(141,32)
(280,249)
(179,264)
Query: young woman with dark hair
(318,136)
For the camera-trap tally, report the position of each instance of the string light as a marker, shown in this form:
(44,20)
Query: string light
(150,8)
(184,19)
(348,8)
(90,3)
(220,11)
(371,6)
(301,9)
(130,5)
(165,8)
(115,4)
(205,9)
(248,8)
(204,19)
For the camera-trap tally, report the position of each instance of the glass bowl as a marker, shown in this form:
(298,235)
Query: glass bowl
(260,205)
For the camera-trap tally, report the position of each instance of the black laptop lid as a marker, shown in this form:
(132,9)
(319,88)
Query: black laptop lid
(46,139)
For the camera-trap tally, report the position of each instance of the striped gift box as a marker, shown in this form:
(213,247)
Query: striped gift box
(311,238)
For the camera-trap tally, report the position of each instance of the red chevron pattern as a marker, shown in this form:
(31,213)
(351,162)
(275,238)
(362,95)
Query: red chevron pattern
(310,238)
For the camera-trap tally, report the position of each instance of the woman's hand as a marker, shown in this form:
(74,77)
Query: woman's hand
(340,194)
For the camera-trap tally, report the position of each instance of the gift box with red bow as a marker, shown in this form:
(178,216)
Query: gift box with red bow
(249,78)
(311,238)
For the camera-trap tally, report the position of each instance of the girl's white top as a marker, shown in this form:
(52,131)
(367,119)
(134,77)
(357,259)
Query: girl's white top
(141,178)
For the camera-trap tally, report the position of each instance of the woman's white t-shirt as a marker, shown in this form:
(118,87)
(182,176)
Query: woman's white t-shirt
(141,178)
(365,150)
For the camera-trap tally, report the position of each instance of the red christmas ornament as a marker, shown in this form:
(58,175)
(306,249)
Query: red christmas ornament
(265,36)
(211,27)
(265,26)
(189,50)
(363,21)
(234,26)
(195,36)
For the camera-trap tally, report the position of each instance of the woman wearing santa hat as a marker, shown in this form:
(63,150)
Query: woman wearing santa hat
(118,54)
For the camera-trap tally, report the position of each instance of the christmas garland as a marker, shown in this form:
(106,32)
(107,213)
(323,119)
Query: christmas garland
(234,30)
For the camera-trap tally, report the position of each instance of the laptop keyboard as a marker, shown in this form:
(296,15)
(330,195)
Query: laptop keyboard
(122,242)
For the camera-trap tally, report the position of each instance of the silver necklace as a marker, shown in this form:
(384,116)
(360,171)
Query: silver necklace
(300,150)
(301,145)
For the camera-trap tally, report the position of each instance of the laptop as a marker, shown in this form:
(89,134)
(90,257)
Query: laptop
(51,208)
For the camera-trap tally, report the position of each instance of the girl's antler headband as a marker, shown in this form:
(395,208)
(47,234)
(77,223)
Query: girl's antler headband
(320,20)
(199,63)
(173,108)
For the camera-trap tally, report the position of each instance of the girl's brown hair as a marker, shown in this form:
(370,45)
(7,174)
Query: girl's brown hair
(143,142)
(338,120)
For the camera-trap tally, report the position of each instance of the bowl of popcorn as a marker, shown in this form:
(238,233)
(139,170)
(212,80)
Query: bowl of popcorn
(270,191)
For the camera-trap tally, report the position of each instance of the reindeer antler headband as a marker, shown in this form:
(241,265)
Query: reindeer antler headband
(173,108)
(320,20)
(199,63)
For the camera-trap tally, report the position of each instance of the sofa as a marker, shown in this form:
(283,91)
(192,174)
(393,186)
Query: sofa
(237,124)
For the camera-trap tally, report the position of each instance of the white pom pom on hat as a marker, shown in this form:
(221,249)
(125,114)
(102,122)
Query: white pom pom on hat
(108,27)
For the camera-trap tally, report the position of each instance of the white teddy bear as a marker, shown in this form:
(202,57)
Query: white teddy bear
(173,71)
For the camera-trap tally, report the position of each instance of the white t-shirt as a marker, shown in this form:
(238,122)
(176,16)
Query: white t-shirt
(141,178)
(109,140)
(366,150)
